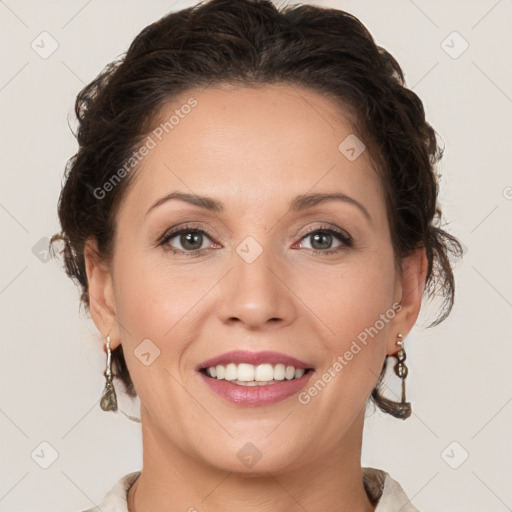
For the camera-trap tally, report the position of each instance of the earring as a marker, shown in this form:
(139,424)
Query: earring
(403,408)
(108,399)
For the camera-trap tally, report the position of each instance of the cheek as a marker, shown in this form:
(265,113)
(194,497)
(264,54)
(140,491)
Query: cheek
(352,304)
(151,295)
(350,297)
(152,303)
(356,305)
(152,307)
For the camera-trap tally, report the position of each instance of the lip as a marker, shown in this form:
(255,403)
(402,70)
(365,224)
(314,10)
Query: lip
(256,395)
(255,358)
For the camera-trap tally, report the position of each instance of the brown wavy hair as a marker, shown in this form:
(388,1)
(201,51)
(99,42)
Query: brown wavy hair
(253,43)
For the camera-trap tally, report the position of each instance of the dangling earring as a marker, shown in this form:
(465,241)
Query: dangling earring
(108,399)
(404,408)
(401,409)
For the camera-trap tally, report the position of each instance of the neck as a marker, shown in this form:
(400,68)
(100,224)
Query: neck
(173,480)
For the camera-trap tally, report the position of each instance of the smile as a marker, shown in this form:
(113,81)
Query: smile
(255,378)
(245,374)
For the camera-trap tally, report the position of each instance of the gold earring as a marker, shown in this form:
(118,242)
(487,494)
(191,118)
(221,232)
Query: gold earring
(108,399)
(404,408)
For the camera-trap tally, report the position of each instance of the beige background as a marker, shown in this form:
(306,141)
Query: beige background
(52,362)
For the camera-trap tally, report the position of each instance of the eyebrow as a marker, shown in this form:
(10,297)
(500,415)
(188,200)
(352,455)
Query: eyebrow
(298,204)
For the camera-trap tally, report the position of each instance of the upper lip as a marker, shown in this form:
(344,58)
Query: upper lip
(254,358)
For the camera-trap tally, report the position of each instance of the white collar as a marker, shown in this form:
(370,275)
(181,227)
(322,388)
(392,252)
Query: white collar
(378,484)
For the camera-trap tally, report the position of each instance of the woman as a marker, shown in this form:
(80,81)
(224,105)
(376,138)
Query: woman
(252,218)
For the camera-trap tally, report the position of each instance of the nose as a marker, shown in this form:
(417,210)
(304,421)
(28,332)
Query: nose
(256,293)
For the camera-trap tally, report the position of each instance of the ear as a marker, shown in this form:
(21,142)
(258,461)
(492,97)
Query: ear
(101,293)
(410,286)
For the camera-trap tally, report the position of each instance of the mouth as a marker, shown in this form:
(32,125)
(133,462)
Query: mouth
(255,378)
(245,374)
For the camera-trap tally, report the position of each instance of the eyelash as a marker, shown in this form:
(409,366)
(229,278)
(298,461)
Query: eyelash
(340,235)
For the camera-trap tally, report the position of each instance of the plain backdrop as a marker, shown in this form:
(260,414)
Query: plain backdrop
(454,452)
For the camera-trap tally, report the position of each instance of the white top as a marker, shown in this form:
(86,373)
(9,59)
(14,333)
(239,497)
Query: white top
(378,484)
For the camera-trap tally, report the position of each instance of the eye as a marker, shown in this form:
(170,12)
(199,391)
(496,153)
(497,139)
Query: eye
(322,240)
(190,239)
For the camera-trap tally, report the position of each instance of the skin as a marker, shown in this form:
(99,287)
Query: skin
(254,150)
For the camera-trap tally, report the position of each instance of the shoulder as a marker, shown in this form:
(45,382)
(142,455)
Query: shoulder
(115,499)
(386,492)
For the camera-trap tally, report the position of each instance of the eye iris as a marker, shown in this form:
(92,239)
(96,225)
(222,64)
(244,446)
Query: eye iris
(322,237)
(191,237)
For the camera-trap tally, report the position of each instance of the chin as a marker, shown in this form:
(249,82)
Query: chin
(255,458)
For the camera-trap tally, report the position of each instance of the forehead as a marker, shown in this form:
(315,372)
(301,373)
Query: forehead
(248,145)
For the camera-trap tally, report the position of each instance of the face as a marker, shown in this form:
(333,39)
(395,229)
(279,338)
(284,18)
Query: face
(255,268)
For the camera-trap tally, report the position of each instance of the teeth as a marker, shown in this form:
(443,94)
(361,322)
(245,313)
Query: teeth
(250,375)
(231,372)
(289,373)
(264,373)
(220,370)
(245,372)
(279,371)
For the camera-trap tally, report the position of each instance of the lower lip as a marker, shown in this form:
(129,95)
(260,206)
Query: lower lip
(256,395)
